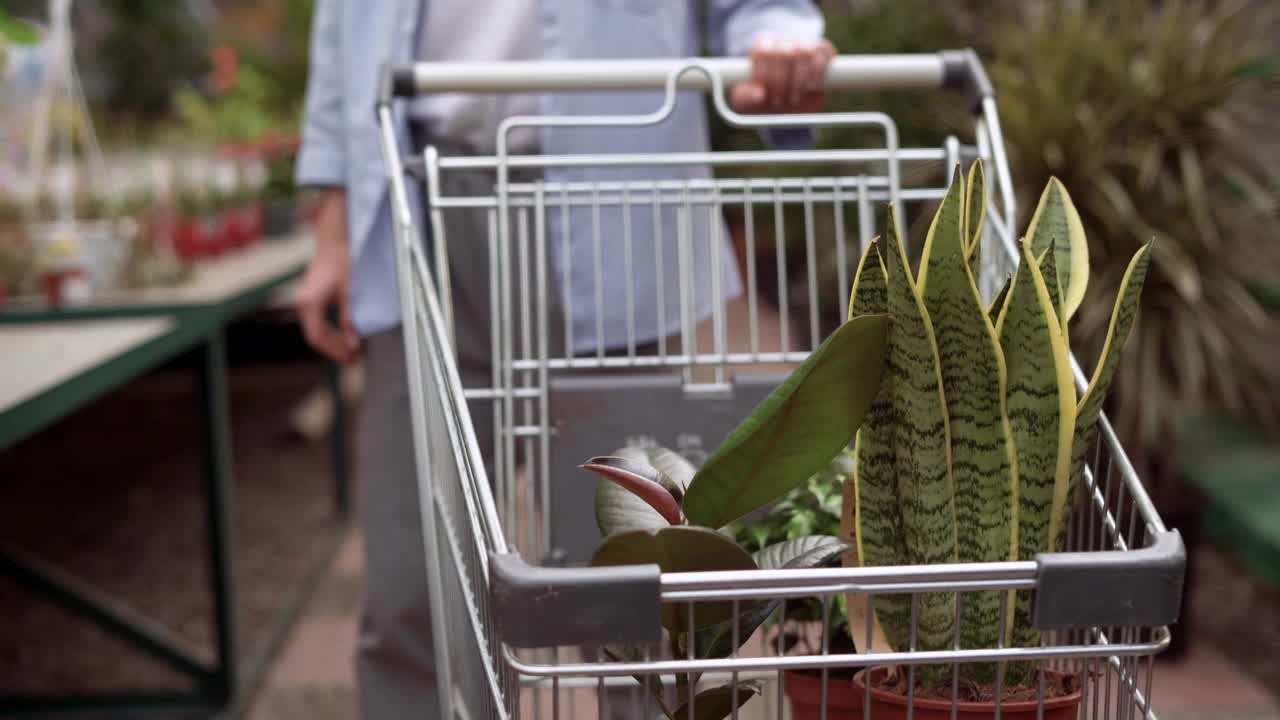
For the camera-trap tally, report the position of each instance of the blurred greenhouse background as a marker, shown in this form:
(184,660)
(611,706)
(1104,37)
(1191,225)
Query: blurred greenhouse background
(1159,115)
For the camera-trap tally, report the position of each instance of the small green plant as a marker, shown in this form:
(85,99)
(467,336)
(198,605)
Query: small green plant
(811,509)
(655,508)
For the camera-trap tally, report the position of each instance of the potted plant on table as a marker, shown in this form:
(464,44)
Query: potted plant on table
(16,255)
(970,450)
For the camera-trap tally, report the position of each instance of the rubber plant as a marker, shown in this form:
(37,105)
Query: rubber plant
(655,508)
(976,440)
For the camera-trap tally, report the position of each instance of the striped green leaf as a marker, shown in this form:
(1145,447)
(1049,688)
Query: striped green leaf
(1090,406)
(870,293)
(1056,218)
(921,443)
(877,514)
(983,463)
(975,215)
(1041,407)
(796,430)
(997,303)
(1048,263)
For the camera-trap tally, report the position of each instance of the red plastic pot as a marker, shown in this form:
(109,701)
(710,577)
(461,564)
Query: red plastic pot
(214,234)
(804,690)
(887,705)
(58,285)
(188,238)
(235,229)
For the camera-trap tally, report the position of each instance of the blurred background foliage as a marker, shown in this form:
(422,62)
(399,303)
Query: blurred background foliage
(1159,118)
(1157,114)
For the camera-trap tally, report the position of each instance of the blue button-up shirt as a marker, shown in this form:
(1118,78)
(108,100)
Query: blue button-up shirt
(340,142)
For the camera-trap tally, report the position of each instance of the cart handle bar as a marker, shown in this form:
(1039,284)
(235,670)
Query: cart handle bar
(959,70)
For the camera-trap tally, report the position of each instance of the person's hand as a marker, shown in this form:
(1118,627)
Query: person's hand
(327,283)
(785,77)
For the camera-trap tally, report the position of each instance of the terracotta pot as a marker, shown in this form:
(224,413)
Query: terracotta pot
(804,690)
(887,705)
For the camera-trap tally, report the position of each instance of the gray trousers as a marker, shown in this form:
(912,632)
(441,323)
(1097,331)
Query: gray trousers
(395,659)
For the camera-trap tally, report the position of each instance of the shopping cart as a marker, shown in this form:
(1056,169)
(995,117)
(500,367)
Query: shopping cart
(519,626)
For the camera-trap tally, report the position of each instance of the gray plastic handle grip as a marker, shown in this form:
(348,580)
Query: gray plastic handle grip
(547,606)
(1132,588)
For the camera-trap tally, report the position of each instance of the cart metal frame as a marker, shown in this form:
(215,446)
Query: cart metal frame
(512,623)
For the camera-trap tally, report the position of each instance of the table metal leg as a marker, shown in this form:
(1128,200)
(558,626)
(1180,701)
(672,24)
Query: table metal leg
(338,440)
(220,493)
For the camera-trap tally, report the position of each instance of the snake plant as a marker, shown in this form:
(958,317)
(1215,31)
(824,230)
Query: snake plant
(976,439)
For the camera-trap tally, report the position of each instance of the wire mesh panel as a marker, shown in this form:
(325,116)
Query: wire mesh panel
(571,304)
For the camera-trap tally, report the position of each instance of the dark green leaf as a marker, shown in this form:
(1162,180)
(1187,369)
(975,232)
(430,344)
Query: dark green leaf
(650,682)
(678,548)
(803,552)
(718,703)
(796,430)
(617,510)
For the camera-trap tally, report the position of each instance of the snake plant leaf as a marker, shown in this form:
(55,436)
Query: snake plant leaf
(809,551)
(878,521)
(796,430)
(997,303)
(921,439)
(642,480)
(870,292)
(872,515)
(975,215)
(1090,405)
(718,702)
(678,548)
(1056,217)
(857,605)
(1048,263)
(983,462)
(1041,407)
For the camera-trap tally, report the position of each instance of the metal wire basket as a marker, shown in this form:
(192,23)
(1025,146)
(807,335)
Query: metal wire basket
(507,519)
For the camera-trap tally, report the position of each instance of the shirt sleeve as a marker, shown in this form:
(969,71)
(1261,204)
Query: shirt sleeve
(733,26)
(322,157)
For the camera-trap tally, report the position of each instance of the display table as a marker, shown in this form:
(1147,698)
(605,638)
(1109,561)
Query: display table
(56,360)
